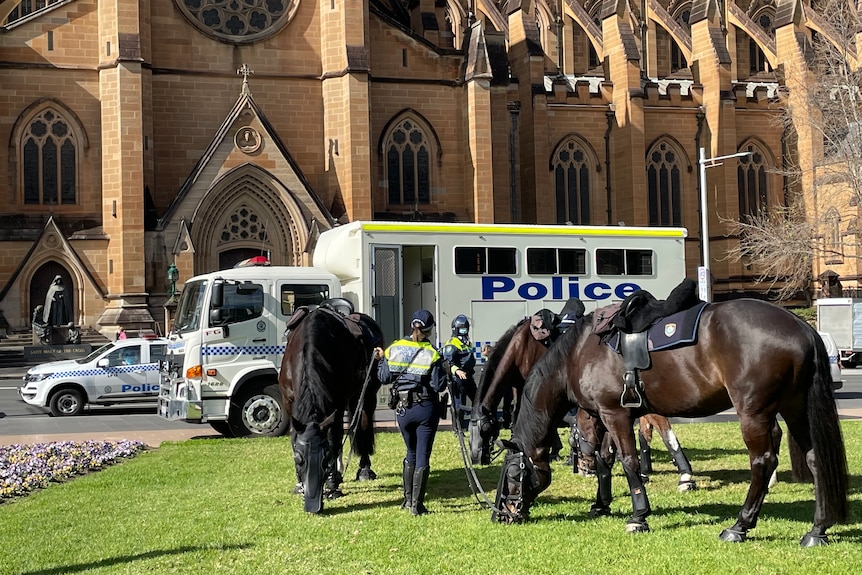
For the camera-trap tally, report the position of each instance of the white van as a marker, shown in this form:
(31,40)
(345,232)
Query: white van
(121,372)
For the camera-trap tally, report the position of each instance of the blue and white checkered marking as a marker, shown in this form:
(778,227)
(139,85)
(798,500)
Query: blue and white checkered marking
(222,350)
(104,371)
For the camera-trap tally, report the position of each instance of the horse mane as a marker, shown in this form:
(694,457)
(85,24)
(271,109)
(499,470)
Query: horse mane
(496,355)
(323,332)
(546,374)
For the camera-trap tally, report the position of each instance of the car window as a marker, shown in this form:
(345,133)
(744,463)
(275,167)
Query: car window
(130,355)
(158,352)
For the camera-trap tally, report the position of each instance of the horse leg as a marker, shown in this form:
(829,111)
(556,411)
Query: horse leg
(621,429)
(793,446)
(297,489)
(363,446)
(645,453)
(602,471)
(757,432)
(686,481)
(334,478)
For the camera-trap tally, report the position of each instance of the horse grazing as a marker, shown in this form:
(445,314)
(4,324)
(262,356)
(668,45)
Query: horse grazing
(508,366)
(327,371)
(749,354)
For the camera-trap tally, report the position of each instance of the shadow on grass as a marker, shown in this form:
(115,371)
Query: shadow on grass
(81,567)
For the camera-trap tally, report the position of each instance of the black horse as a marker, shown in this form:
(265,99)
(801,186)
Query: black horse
(326,371)
(751,355)
(508,366)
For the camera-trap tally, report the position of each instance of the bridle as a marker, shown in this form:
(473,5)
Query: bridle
(518,468)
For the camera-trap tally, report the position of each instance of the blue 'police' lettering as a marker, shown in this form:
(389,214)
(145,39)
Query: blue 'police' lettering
(138,388)
(560,288)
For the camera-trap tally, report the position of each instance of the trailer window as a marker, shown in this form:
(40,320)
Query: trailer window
(298,295)
(624,262)
(556,261)
(478,261)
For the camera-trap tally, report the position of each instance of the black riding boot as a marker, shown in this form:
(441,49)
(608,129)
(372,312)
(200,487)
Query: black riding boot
(407,470)
(420,484)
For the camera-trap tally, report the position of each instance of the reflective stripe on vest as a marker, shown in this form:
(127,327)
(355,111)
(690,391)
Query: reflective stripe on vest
(411,357)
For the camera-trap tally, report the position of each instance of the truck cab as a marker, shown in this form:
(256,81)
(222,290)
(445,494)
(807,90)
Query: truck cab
(226,345)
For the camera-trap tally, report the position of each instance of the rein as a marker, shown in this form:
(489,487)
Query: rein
(351,429)
(472,478)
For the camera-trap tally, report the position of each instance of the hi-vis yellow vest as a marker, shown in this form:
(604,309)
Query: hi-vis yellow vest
(410,360)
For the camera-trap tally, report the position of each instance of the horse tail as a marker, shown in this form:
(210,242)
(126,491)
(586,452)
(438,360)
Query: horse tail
(827,441)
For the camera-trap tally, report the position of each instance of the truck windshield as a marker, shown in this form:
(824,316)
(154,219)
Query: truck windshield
(190,307)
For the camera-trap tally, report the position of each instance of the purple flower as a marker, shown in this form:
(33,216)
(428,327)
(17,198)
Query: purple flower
(24,468)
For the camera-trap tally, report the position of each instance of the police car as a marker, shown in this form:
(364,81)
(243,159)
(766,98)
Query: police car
(121,372)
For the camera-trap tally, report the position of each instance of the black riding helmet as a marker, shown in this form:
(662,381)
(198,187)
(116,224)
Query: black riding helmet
(460,325)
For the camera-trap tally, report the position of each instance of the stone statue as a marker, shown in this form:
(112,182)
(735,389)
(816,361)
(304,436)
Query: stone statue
(58,307)
(40,329)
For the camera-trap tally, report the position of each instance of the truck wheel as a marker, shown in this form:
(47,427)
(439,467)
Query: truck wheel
(258,411)
(222,427)
(67,401)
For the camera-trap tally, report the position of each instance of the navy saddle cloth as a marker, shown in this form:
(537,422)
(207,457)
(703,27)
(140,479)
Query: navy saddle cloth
(674,330)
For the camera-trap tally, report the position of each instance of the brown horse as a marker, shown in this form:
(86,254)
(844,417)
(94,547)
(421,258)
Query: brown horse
(508,366)
(749,354)
(327,371)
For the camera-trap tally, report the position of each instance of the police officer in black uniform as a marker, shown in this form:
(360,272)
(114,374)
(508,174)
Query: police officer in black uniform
(415,369)
(461,362)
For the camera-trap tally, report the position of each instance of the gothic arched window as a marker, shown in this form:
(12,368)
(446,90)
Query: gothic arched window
(407,167)
(49,160)
(756,58)
(572,183)
(677,58)
(664,186)
(752,183)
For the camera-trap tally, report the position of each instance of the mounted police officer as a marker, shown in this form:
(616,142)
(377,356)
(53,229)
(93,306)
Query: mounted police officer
(461,362)
(415,370)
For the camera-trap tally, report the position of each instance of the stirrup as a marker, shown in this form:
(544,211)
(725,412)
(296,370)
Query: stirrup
(631,400)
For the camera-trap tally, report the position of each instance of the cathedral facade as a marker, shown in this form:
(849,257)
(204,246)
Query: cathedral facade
(199,133)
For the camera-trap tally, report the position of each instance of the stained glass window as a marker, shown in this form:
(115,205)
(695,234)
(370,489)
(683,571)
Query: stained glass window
(572,184)
(49,160)
(664,186)
(408,164)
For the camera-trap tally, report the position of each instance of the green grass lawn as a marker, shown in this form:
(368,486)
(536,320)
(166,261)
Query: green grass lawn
(226,506)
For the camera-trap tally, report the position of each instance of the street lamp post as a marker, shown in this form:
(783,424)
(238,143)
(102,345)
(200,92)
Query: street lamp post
(173,276)
(703,274)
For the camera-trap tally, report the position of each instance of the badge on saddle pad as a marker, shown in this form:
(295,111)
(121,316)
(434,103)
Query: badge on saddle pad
(669,329)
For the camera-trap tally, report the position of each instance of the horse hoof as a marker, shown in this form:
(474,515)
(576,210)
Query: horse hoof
(599,511)
(686,486)
(637,527)
(809,540)
(732,536)
(366,474)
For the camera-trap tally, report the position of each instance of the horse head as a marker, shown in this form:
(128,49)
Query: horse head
(521,480)
(313,460)
(484,430)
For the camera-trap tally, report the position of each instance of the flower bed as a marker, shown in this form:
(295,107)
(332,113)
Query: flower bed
(24,468)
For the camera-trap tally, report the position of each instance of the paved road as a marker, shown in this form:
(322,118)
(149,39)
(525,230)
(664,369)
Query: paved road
(22,423)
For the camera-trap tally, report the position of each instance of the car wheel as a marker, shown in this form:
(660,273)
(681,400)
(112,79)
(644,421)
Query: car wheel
(258,410)
(68,401)
(222,427)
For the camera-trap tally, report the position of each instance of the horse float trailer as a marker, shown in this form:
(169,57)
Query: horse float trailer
(227,337)
(841,317)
